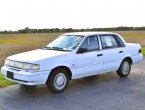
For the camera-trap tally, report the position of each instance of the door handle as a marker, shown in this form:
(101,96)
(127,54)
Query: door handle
(99,55)
(120,51)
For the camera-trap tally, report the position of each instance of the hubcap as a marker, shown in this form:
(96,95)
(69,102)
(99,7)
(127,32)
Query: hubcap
(125,68)
(60,81)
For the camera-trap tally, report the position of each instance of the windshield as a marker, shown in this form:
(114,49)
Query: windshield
(65,43)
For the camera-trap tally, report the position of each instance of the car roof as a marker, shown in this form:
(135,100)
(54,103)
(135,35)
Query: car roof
(88,33)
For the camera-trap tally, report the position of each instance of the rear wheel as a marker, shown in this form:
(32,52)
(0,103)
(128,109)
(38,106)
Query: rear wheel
(58,80)
(124,68)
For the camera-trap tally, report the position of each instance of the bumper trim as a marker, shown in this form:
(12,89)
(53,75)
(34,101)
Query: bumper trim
(18,80)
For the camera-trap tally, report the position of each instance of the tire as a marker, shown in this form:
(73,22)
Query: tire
(58,80)
(124,68)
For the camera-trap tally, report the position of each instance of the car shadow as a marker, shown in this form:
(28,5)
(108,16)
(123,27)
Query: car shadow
(77,85)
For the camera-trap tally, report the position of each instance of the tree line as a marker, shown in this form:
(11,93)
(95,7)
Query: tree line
(54,30)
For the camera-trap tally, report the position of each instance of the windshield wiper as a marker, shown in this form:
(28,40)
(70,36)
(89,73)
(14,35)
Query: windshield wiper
(47,48)
(56,48)
(61,49)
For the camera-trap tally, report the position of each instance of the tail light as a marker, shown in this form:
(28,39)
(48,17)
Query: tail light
(139,51)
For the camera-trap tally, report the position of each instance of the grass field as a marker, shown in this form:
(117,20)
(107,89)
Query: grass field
(15,43)
(4,82)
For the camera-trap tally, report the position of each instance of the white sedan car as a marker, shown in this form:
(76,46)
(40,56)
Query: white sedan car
(72,56)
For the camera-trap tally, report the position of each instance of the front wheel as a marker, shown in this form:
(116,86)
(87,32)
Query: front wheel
(124,68)
(58,80)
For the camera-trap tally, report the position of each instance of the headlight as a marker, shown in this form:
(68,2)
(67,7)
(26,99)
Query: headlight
(18,65)
(21,65)
(7,62)
(28,66)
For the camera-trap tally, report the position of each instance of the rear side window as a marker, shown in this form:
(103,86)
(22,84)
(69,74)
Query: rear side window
(111,41)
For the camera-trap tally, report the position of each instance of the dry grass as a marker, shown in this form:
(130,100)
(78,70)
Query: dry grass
(15,43)
(133,36)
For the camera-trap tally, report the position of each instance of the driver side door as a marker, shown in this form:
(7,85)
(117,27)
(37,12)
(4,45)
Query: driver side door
(90,62)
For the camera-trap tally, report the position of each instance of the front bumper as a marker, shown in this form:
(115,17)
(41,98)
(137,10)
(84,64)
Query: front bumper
(24,77)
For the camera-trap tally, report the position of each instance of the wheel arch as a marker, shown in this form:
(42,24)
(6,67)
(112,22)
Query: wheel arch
(128,58)
(64,67)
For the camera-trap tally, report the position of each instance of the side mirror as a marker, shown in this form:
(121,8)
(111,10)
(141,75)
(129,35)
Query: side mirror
(82,50)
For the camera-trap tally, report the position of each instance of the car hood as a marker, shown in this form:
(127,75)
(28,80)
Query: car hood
(36,55)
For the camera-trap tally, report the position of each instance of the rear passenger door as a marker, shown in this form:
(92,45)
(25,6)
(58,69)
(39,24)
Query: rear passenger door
(113,52)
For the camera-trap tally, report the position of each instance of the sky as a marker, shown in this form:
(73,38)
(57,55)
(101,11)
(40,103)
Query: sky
(18,14)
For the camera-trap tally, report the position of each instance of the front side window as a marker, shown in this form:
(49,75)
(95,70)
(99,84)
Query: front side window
(90,43)
(108,41)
